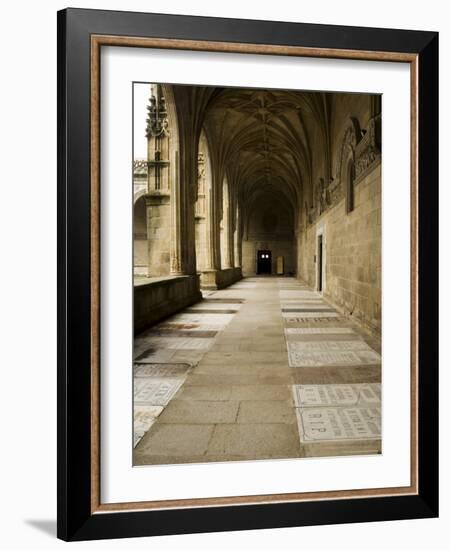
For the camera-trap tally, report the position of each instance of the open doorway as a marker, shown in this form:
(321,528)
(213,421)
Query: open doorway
(320,263)
(264,263)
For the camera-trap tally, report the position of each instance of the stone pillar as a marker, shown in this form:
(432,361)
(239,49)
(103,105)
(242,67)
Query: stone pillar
(210,244)
(176,267)
(227,230)
(238,241)
(230,261)
(158,200)
(203,216)
(214,225)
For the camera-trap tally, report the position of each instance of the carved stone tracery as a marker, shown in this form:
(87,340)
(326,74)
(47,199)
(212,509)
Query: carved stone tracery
(157,117)
(368,149)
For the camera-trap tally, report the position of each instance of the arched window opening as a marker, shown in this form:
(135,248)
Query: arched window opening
(140,245)
(350,186)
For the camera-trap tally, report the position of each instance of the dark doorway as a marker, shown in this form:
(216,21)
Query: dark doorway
(319,262)
(264,262)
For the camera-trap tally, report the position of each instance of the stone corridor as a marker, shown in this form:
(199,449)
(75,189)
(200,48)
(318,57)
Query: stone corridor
(265,368)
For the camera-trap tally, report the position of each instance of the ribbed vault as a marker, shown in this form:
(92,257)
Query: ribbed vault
(263,140)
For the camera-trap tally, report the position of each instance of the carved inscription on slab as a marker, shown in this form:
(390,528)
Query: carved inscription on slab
(314,319)
(327,330)
(198,318)
(309,314)
(155,391)
(337,395)
(346,345)
(338,423)
(326,359)
(144,417)
(161,370)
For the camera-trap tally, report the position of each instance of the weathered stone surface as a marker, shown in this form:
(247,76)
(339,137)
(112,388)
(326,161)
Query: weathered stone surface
(258,392)
(271,440)
(181,411)
(179,440)
(262,412)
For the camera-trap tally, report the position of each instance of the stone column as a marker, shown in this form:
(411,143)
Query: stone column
(227,229)
(214,225)
(158,207)
(238,241)
(209,259)
(176,267)
(230,261)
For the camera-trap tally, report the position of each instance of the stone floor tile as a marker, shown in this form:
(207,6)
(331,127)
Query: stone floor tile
(255,440)
(175,440)
(266,412)
(205,393)
(236,398)
(199,412)
(258,392)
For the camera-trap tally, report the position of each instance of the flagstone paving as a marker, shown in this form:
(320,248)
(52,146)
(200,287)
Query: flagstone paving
(262,369)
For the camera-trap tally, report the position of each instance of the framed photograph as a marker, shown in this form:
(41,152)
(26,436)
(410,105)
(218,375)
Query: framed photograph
(248,295)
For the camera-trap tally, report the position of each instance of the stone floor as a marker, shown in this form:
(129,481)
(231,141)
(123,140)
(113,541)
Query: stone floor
(263,369)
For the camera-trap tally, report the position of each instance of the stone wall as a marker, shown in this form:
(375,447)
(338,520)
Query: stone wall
(352,253)
(270,227)
(283,248)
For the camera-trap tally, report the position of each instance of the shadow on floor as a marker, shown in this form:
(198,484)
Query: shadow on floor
(46,526)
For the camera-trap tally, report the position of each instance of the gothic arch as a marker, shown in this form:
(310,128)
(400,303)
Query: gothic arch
(346,161)
(138,195)
(140,243)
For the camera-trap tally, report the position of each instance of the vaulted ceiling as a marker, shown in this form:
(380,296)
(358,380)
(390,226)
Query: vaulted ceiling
(264,138)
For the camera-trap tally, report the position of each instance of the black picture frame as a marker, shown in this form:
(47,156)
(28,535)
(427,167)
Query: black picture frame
(76,521)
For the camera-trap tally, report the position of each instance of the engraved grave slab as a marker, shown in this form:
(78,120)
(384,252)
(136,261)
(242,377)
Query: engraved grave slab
(314,330)
(336,358)
(144,417)
(161,370)
(337,395)
(200,318)
(309,314)
(193,328)
(314,319)
(153,355)
(345,345)
(338,424)
(155,391)
(186,343)
(311,309)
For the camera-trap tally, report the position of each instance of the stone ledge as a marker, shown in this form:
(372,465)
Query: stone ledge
(216,279)
(167,279)
(158,297)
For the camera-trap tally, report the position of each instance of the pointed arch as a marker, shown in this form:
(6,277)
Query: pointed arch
(346,162)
